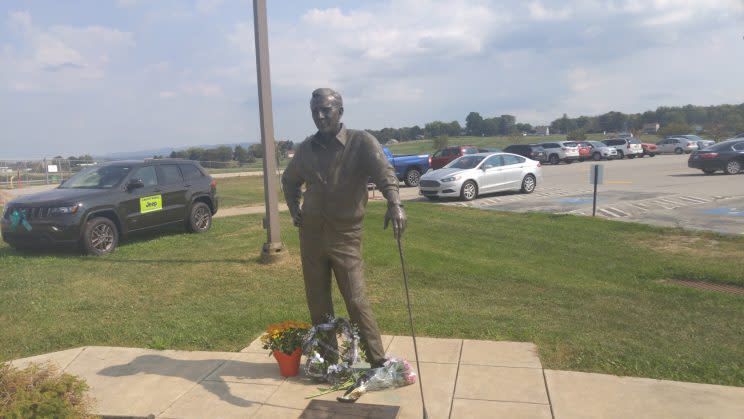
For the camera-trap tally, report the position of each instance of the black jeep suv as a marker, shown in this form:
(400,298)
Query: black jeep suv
(95,207)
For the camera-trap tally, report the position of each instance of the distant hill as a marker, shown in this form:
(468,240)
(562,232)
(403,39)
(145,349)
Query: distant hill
(165,152)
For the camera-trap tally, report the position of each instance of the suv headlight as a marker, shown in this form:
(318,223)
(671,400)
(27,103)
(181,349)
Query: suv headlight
(450,179)
(56,211)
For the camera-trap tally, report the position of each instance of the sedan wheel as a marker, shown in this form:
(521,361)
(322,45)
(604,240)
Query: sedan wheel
(678,150)
(469,191)
(528,184)
(733,167)
(413,177)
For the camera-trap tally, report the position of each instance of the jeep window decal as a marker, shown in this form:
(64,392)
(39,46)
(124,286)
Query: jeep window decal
(151,203)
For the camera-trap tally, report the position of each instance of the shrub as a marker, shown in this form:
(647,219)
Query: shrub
(576,135)
(41,391)
(440,142)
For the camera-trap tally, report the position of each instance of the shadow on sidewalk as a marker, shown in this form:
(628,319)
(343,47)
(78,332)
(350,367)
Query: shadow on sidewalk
(194,370)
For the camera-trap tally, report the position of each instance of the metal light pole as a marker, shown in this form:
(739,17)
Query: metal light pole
(273,248)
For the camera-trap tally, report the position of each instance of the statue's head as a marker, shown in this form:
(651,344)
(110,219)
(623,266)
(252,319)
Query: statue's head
(327,108)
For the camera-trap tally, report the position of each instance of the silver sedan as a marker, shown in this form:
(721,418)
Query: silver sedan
(475,174)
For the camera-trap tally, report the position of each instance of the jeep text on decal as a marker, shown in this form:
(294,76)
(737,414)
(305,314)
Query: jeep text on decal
(151,203)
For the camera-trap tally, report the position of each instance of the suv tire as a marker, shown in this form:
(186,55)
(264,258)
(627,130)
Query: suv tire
(528,184)
(553,159)
(469,191)
(597,156)
(413,177)
(620,155)
(100,236)
(200,218)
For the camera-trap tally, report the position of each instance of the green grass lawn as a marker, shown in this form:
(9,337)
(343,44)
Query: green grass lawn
(241,191)
(588,292)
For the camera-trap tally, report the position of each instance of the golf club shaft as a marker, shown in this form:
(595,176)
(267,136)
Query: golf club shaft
(410,317)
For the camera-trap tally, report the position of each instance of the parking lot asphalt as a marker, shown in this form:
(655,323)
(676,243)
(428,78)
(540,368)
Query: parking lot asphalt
(658,190)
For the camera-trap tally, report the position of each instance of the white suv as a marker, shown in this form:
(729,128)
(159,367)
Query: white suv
(566,151)
(626,147)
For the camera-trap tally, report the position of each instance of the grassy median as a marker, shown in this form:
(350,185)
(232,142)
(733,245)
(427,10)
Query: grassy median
(588,292)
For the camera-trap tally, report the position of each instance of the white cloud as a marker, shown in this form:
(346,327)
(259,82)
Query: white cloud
(540,12)
(207,6)
(58,57)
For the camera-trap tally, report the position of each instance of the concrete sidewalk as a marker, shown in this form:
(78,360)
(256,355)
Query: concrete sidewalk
(462,379)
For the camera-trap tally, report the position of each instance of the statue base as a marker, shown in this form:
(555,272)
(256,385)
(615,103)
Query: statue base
(272,252)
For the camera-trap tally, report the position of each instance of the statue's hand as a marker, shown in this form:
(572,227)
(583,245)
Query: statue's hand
(396,214)
(297,218)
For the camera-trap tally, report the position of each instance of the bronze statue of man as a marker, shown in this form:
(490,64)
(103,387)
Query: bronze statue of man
(335,165)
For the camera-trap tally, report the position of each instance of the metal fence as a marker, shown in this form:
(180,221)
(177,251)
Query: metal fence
(16,174)
(23,173)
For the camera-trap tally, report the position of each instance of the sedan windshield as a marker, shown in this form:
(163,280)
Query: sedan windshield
(103,177)
(465,162)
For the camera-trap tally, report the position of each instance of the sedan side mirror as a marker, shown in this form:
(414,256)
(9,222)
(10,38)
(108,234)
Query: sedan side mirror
(134,184)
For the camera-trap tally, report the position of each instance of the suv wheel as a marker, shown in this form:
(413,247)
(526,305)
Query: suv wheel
(620,155)
(100,236)
(528,184)
(469,191)
(733,167)
(200,219)
(413,177)
(597,156)
(553,159)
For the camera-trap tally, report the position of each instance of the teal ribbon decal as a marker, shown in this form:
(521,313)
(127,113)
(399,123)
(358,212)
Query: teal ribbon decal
(19,217)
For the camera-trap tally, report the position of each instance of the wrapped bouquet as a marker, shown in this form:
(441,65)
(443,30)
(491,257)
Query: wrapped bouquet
(395,372)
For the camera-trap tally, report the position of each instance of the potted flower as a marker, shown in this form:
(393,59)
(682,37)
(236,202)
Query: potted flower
(284,341)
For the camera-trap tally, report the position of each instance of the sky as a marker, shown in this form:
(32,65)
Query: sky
(100,76)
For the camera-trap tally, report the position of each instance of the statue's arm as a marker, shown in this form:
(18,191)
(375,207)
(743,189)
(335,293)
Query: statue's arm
(292,181)
(383,175)
(382,172)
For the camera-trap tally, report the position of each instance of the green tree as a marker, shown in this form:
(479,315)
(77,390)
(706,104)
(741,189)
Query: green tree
(242,155)
(508,124)
(257,150)
(474,124)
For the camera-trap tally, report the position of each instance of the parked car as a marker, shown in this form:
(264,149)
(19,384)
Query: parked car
(100,204)
(676,145)
(561,151)
(445,155)
(727,156)
(649,149)
(475,174)
(408,168)
(704,144)
(626,147)
(531,151)
(598,150)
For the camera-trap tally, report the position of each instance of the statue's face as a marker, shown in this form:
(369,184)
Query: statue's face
(327,115)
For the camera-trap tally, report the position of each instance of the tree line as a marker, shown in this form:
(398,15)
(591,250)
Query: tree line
(718,121)
(225,153)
